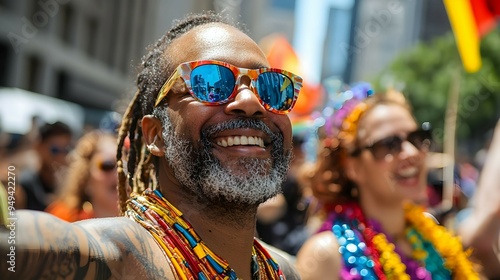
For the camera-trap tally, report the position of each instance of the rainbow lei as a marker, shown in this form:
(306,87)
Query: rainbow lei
(368,254)
(189,257)
(447,245)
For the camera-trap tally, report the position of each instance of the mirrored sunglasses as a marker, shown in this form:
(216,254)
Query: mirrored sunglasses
(107,165)
(392,145)
(214,82)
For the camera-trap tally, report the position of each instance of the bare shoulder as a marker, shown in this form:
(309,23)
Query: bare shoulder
(139,254)
(115,248)
(319,257)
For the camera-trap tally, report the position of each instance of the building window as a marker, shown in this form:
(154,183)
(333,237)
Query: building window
(112,36)
(33,73)
(7,4)
(62,84)
(92,28)
(67,23)
(127,42)
(5,53)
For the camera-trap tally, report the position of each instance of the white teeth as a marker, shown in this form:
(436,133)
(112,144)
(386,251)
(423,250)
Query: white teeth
(223,143)
(241,140)
(408,172)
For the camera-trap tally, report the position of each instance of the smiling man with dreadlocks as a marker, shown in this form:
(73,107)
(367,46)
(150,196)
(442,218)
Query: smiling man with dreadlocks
(209,141)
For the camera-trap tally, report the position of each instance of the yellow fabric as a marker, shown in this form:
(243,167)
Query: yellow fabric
(3,205)
(466,34)
(198,250)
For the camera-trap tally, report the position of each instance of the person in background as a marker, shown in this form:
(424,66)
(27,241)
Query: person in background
(39,186)
(370,166)
(479,224)
(469,175)
(89,188)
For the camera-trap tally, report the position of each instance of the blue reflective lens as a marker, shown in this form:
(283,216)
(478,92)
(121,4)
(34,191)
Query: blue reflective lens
(212,83)
(215,83)
(276,90)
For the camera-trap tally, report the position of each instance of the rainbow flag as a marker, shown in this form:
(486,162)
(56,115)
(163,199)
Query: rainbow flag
(470,21)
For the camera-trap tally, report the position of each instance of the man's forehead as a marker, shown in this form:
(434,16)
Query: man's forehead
(213,34)
(218,41)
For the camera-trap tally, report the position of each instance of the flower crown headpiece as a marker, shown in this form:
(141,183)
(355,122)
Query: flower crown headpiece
(339,117)
(344,110)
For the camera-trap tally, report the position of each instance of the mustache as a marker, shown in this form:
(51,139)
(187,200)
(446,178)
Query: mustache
(213,130)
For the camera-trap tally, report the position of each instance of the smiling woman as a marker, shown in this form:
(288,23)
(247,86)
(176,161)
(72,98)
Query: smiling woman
(90,183)
(371,166)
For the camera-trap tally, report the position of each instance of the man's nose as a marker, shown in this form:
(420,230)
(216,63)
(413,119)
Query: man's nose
(245,102)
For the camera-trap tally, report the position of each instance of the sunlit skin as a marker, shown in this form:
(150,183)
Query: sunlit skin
(383,187)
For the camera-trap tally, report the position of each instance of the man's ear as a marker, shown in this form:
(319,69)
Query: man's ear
(152,132)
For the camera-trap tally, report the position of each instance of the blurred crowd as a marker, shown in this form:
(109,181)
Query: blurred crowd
(73,176)
(70,174)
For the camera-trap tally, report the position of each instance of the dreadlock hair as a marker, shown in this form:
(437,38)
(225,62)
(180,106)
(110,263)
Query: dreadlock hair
(154,70)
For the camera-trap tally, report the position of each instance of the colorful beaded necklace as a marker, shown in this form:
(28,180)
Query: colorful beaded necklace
(369,254)
(189,257)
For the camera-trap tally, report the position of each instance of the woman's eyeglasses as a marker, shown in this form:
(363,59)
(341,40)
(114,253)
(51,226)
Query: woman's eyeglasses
(57,150)
(213,83)
(107,165)
(392,145)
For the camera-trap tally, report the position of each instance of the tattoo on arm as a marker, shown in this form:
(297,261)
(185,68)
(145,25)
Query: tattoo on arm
(135,248)
(48,248)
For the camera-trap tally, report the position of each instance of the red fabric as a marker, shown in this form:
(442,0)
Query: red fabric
(494,6)
(484,17)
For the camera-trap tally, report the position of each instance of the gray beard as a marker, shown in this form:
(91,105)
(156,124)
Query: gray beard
(203,174)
